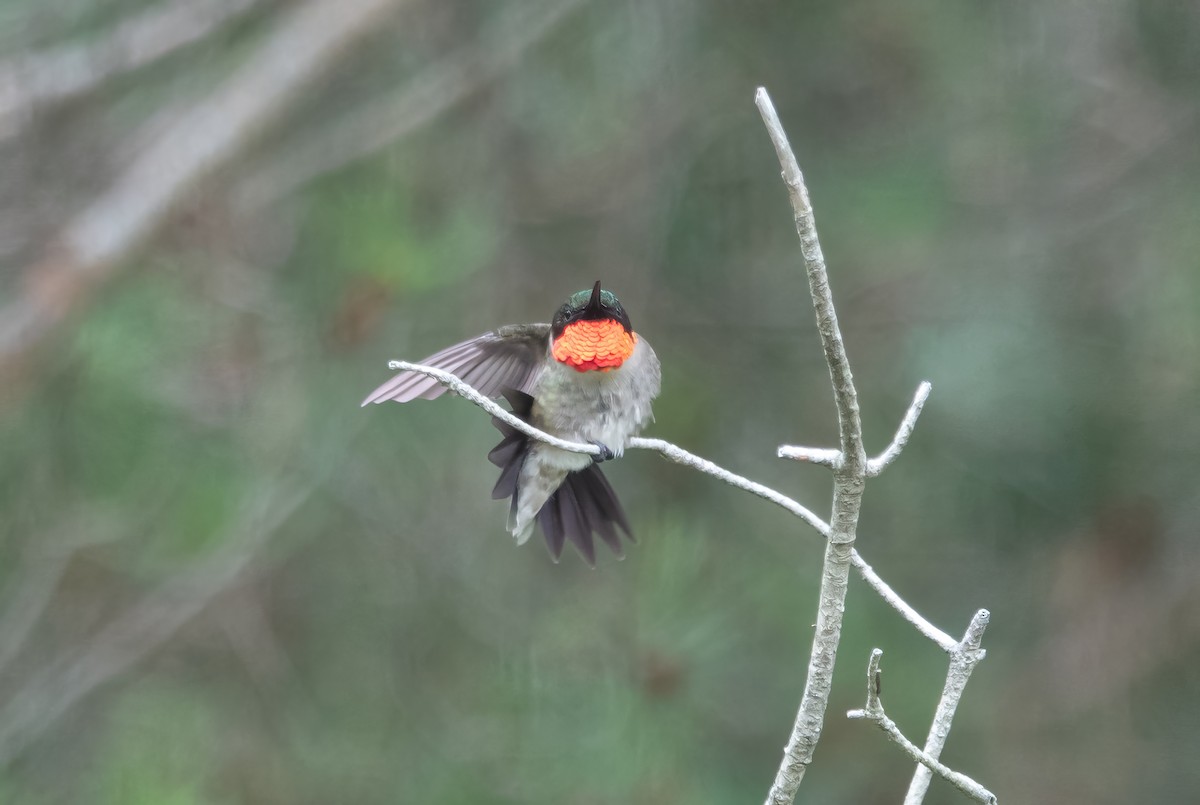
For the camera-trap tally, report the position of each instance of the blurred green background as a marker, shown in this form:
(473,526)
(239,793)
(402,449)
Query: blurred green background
(221,581)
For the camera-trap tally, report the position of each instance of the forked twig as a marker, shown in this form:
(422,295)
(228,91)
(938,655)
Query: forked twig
(874,712)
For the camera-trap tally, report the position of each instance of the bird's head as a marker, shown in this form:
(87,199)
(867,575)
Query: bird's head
(591,331)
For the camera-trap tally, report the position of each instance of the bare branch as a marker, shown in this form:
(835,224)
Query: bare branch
(877,464)
(30,82)
(851,468)
(963,659)
(668,450)
(92,247)
(821,456)
(874,712)
(849,478)
(681,456)
(429,94)
(461,388)
(893,599)
(844,393)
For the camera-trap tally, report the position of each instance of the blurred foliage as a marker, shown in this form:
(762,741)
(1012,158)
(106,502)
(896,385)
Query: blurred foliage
(1007,196)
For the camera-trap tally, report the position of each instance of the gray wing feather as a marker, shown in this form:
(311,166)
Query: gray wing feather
(508,357)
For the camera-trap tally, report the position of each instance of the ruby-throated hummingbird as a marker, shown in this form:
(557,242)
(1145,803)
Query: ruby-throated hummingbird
(585,377)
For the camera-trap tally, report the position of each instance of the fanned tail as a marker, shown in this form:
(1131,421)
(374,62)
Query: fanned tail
(583,504)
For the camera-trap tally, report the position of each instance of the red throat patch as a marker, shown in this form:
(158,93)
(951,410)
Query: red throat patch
(588,346)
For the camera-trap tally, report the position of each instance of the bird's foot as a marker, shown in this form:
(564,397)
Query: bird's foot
(605,453)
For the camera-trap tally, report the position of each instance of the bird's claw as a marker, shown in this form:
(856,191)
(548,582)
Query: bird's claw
(605,453)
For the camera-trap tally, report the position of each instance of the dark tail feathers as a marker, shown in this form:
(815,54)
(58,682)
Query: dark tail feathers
(584,504)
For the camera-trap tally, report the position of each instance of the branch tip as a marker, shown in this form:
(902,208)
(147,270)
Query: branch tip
(874,675)
(821,456)
(974,633)
(903,432)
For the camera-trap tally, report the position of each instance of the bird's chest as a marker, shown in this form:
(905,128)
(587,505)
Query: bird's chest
(584,406)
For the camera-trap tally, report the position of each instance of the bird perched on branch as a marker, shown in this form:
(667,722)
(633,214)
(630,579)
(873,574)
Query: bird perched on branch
(585,377)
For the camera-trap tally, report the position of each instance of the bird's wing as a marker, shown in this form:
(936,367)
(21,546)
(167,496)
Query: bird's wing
(508,357)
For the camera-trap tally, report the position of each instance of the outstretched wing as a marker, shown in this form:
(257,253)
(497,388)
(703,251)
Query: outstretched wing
(508,357)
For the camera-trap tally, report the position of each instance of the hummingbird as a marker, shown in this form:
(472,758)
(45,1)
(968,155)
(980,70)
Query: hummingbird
(584,377)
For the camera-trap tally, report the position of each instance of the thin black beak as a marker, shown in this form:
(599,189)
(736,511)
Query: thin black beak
(593,305)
